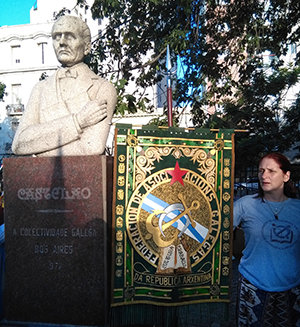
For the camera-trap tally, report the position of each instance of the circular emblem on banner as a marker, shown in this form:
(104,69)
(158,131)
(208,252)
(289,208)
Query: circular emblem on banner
(173,222)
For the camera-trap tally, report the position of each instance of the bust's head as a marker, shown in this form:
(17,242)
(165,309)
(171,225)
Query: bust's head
(71,40)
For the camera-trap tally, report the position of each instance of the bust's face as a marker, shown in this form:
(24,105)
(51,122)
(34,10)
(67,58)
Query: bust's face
(68,43)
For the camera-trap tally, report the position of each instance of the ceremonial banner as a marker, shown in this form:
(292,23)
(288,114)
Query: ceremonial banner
(172,216)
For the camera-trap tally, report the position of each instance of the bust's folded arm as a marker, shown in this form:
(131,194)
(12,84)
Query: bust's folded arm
(33,137)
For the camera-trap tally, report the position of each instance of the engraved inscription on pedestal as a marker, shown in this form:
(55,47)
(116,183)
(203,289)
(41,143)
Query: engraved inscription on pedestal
(56,240)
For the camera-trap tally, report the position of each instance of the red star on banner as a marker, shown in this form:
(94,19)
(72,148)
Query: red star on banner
(177,174)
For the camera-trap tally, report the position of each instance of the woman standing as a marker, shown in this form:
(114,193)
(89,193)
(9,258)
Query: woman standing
(269,285)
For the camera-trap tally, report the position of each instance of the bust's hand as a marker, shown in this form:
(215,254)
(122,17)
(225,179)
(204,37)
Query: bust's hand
(92,113)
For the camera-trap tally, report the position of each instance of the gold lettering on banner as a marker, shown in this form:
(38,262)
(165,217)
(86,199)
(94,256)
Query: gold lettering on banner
(151,230)
(171,281)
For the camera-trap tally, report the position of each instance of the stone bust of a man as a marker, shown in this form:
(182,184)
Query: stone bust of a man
(70,112)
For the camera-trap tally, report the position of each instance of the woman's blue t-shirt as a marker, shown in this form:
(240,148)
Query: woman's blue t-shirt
(271,258)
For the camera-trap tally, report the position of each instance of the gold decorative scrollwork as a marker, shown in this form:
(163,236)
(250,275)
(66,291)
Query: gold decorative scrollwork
(119,273)
(226,223)
(119,209)
(226,235)
(121,180)
(119,260)
(122,158)
(226,172)
(120,195)
(119,235)
(226,183)
(119,247)
(121,168)
(219,144)
(225,261)
(226,209)
(119,222)
(226,196)
(226,247)
(225,271)
(145,163)
(132,140)
(177,153)
(206,164)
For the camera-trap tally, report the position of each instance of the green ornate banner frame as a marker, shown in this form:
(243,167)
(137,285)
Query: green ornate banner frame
(173,193)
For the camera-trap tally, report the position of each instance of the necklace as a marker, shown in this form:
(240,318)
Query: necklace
(275,210)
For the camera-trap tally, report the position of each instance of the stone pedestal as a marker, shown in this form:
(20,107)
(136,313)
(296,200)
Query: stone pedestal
(56,239)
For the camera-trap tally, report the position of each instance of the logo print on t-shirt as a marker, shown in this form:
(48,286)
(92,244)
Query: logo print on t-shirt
(280,234)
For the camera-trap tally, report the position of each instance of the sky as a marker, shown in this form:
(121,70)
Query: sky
(15,12)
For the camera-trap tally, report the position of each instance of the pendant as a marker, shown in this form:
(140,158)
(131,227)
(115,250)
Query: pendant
(276,216)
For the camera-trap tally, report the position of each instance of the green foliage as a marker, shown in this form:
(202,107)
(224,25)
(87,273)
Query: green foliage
(142,29)
(222,48)
(2,91)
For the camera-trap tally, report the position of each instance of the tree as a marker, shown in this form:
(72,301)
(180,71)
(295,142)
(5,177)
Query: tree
(2,91)
(258,92)
(222,46)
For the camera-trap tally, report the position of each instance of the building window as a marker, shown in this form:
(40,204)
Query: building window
(16,54)
(15,93)
(14,123)
(42,46)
